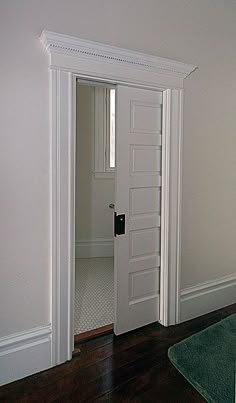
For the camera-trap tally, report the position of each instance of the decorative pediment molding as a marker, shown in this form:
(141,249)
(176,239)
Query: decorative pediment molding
(68,45)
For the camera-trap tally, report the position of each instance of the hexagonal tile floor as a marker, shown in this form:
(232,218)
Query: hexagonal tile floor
(94,293)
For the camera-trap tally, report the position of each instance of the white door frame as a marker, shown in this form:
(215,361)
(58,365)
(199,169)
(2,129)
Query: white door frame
(69,58)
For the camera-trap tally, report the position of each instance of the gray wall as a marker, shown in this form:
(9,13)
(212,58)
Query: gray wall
(200,32)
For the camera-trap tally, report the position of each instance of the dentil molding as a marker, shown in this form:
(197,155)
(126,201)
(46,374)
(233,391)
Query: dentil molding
(56,43)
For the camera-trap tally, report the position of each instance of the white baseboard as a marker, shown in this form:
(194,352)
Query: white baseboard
(94,248)
(25,353)
(207,297)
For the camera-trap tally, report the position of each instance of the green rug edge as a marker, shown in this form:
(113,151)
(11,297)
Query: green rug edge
(195,384)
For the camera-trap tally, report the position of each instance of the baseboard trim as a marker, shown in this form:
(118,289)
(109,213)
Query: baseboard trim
(94,248)
(207,297)
(25,353)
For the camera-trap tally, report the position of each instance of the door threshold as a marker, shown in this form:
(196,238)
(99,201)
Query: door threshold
(91,334)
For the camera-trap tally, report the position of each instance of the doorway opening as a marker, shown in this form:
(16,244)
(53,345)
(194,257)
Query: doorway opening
(94,209)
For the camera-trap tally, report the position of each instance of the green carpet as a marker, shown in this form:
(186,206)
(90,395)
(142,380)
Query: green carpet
(207,360)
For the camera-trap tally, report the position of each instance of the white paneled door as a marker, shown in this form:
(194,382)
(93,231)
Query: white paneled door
(138,196)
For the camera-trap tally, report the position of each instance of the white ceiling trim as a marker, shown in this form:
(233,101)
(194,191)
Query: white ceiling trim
(56,43)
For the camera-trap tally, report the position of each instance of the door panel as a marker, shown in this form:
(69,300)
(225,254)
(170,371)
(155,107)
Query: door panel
(138,195)
(144,201)
(145,159)
(144,283)
(144,242)
(145,117)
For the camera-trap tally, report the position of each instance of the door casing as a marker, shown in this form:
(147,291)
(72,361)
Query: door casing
(71,58)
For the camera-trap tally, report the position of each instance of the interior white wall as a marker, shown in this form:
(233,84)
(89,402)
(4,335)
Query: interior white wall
(200,32)
(94,218)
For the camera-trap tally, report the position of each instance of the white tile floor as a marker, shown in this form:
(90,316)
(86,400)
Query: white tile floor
(94,293)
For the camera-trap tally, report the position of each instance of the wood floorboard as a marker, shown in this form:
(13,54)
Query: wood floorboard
(153,388)
(129,368)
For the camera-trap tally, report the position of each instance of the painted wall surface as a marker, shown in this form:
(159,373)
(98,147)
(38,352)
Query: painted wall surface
(200,32)
(94,218)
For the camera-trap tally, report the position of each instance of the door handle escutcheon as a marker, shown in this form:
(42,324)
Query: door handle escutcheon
(119,224)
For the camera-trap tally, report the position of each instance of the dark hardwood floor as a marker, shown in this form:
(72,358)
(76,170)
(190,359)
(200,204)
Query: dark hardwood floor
(128,368)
